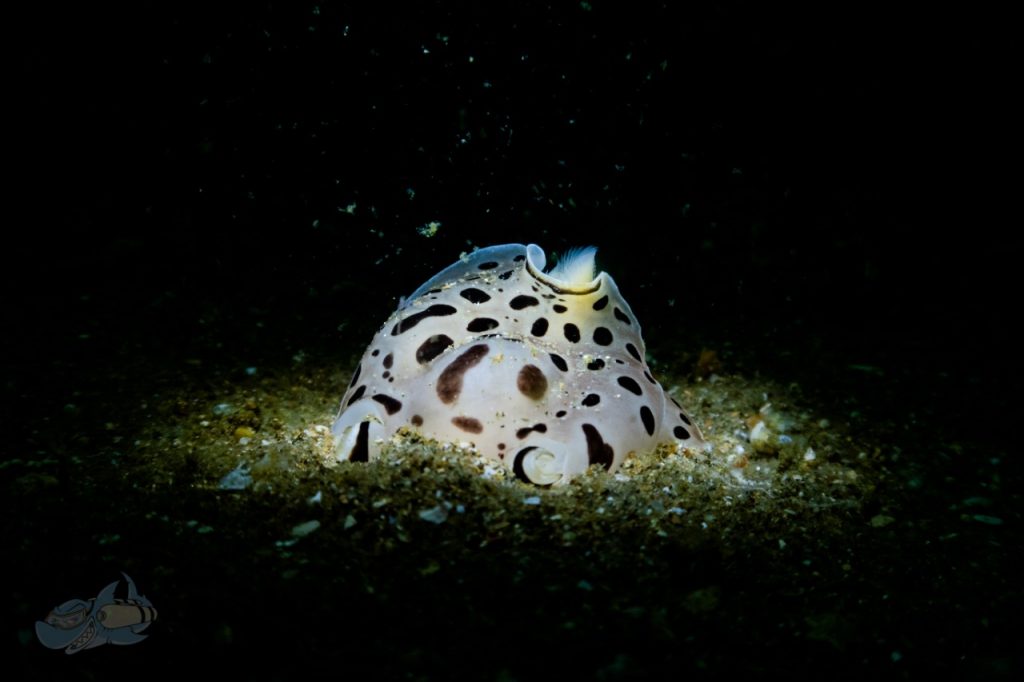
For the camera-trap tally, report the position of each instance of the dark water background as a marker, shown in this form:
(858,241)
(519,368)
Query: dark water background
(810,187)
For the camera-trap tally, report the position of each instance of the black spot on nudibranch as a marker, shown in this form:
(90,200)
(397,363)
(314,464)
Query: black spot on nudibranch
(390,404)
(647,375)
(598,451)
(559,362)
(685,419)
(600,303)
(489,265)
(361,450)
(481,324)
(559,308)
(680,433)
(436,310)
(630,385)
(603,336)
(376,352)
(647,417)
(517,464)
(432,347)
(449,384)
(505,275)
(355,375)
(572,332)
(521,301)
(474,295)
(540,327)
(416,420)
(591,400)
(631,349)
(468,424)
(357,395)
(622,317)
(388,360)
(531,382)
(560,414)
(596,363)
(527,430)
(520,258)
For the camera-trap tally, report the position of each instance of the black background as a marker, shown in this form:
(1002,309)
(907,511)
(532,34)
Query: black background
(758,167)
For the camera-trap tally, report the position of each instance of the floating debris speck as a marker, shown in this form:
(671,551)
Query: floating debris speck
(429,229)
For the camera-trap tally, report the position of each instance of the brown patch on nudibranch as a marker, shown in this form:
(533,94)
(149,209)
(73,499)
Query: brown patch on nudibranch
(531,382)
(527,430)
(469,424)
(449,384)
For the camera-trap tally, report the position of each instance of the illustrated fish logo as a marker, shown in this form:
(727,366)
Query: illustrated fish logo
(77,624)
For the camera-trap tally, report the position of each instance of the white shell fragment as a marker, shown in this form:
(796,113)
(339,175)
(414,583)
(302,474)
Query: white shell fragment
(543,372)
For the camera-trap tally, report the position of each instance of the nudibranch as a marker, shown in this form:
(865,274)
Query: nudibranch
(543,371)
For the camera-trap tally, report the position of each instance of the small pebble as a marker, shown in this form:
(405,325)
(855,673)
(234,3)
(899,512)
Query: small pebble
(881,520)
(437,514)
(238,478)
(304,529)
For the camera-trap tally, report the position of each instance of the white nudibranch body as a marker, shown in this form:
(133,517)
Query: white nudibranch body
(544,372)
